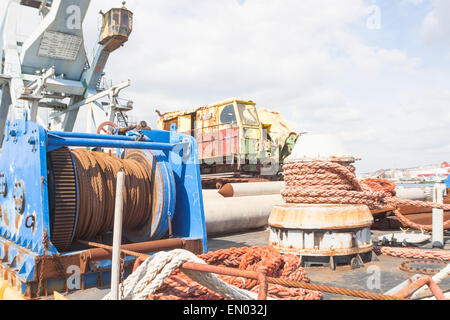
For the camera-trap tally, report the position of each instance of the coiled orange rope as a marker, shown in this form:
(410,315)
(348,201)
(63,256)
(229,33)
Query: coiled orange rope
(318,182)
(262,259)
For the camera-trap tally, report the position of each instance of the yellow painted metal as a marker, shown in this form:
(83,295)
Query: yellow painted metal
(276,124)
(8,293)
(174,115)
(259,135)
(184,124)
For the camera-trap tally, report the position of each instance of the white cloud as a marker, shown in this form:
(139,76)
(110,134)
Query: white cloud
(436,26)
(303,58)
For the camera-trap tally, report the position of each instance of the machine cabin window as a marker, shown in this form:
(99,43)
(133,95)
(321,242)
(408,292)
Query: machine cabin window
(228,115)
(125,22)
(248,114)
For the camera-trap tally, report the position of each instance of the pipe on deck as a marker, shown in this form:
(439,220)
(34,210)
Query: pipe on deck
(142,247)
(228,215)
(251,189)
(267,188)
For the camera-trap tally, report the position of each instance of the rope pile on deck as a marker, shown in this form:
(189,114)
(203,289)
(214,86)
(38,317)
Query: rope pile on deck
(267,260)
(166,276)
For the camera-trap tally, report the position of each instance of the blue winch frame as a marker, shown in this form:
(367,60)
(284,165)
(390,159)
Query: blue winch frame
(23,184)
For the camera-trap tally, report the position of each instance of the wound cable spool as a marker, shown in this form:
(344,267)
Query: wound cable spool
(97,175)
(83,187)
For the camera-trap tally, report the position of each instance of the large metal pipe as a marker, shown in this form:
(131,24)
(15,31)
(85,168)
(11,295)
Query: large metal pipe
(117,236)
(264,188)
(228,215)
(211,194)
(251,189)
(100,143)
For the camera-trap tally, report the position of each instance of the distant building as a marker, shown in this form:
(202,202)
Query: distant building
(423,173)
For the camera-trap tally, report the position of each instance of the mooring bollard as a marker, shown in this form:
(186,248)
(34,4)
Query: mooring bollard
(117,237)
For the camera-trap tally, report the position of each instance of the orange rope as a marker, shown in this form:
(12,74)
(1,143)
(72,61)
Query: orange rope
(330,182)
(262,259)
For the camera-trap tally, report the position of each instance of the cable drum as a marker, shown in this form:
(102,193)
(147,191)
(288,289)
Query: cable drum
(95,175)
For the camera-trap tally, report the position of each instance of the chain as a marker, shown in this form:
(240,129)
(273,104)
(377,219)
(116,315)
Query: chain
(41,263)
(406,266)
(122,272)
(59,266)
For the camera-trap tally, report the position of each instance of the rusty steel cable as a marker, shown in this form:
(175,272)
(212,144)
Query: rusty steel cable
(334,290)
(317,182)
(97,175)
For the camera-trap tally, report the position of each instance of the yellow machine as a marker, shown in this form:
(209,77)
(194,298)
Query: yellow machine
(234,137)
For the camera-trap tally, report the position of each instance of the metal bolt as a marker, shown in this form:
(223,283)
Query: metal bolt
(32,140)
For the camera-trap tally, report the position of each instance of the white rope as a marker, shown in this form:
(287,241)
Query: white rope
(438,278)
(152,273)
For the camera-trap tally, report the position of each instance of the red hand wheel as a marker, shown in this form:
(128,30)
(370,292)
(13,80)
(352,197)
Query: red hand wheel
(101,127)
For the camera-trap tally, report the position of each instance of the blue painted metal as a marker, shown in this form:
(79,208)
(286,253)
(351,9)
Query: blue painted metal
(23,171)
(56,142)
(92,136)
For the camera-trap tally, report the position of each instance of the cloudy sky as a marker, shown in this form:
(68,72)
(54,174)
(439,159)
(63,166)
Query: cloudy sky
(374,73)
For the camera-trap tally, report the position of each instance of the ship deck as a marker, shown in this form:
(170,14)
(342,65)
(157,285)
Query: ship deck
(342,277)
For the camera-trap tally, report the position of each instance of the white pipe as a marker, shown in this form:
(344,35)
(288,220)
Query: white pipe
(446,295)
(211,194)
(403,285)
(251,189)
(438,278)
(227,215)
(117,237)
(266,188)
(438,216)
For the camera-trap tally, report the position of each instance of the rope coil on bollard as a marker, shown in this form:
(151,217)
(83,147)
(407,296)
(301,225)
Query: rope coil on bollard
(318,182)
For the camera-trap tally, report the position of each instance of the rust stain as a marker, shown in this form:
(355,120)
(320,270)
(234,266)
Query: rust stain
(18,221)
(6,218)
(320,252)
